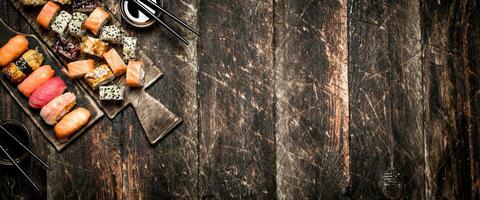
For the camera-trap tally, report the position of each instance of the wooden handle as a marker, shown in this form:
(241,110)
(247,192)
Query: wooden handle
(156,119)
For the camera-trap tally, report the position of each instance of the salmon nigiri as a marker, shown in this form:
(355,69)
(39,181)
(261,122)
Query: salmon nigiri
(115,62)
(58,107)
(35,80)
(47,14)
(13,49)
(72,122)
(79,68)
(47,92)
(135,74)
(96,20)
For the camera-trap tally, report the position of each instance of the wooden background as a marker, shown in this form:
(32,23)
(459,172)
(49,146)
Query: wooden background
(287,99)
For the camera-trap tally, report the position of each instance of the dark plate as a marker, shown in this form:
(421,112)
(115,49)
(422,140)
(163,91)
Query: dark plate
(83,99)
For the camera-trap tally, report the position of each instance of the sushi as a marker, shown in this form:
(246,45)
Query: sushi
(48,14)
(71,122)
(135,74)
(63,2)
(75,27)
(61,22)
(85,6)
(47,92)
(96,20)
(112,34)
(129,48)
(33,2)
(112,92)
(13,49)
(57,108)
(35,80)
(33,58)
(79,68)
(18,70)
(67,48)
(100,76)
(115,62)
(93,46)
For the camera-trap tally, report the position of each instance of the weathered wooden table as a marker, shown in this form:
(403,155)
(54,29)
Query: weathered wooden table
(287,99)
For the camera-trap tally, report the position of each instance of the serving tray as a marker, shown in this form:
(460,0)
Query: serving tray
(155,118)
(83,99)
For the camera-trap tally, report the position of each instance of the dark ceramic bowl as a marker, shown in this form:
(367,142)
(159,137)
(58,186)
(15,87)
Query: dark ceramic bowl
(15,150)
(141,20)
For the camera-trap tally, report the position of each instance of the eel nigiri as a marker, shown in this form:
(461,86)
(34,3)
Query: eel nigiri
(47,14)
(72,122)
(96,20)
(58,107)
(47,92)
(35,80)
(79,68)
(13,49)
(115,62)
(135,74)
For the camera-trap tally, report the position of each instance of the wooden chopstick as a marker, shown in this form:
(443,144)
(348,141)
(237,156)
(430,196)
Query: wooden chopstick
(18,167)
(161,22)
(24,147)
(171,16)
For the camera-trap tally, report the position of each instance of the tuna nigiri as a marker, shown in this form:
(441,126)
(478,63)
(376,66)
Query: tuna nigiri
(47,92)
(115,62)
(35,80)
(47,14)
(72,122)
(79,68)
(58,107)
(13,49)
(135,74)
(96,20)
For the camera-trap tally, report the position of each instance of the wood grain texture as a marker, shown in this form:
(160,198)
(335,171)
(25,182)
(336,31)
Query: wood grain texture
(311,86)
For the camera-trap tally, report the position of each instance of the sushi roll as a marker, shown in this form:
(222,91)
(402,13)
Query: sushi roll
(75,27)
(61,22)
(115,62)
(135,74)
(35,80)
(93,46)
(33,58)
(100,76)
(67,48)
(112,93)
(33,2)
(71,122)
(63,2)
(48,14)
(57,108)
(13,49)
(47,92)
(112,33)
(96,20)
(79,68)
(129,48)
(85,6)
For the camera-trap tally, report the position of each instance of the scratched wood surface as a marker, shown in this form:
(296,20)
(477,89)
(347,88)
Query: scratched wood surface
(286,99)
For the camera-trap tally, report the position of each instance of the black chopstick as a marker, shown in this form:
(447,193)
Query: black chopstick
(24,147)
(161,22)
(18,167)
(171,16)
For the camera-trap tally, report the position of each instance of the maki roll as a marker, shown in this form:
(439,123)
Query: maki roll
(112,33)
(100,76)
(79,68)
(67,48)
(96,20)
(75,27)
(61,22)
(48,14)
(85,6)
(33,58)
(33,2)
(93,46)
(112,93)
(129,48)
(135,74)
(115,62)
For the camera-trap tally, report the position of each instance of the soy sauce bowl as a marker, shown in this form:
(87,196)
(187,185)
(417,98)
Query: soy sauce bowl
(22,134)
(134,16)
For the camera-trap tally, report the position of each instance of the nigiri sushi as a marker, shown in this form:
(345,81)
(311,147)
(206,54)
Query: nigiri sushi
(13,49)
(48,14)
(61,22)
(100,76)
(71,122)
(17,71)
(79,68)
(33,58)
(115,62)
(47,92)
(57,108)
(135,74)
(35,80)
(96,20)
(93,46)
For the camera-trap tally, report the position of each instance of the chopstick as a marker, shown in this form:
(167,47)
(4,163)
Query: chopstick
(18,167)
(24,147)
